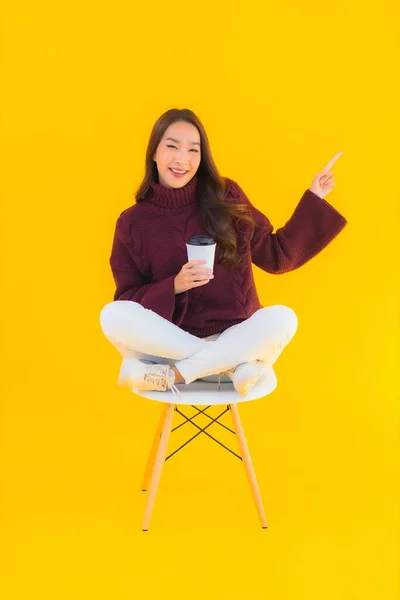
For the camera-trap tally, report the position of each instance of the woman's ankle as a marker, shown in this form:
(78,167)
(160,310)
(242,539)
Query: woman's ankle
(178,376)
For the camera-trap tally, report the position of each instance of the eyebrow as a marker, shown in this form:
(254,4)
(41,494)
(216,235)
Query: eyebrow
(178,141)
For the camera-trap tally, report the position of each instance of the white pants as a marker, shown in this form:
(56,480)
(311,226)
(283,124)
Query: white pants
(143,334)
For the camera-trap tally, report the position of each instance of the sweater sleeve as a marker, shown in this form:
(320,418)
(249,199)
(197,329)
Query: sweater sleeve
(133,284)
(312,226)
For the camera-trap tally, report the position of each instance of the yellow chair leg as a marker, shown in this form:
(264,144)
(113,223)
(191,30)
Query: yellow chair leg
(158,465)
(248,465)
(153,451)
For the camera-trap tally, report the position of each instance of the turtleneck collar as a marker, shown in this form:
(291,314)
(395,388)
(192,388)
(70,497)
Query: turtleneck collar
(174,197)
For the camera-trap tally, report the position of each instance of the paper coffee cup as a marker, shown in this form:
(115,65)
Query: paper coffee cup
(202,247)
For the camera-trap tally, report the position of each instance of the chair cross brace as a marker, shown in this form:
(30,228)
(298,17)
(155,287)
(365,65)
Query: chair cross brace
(157,457)
(202,430)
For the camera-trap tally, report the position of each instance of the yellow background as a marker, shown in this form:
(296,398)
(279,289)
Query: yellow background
(280,88)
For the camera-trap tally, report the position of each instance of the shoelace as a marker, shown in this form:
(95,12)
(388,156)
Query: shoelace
(175,390)
(162,377)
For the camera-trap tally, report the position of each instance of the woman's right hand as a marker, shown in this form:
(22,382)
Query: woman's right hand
(189,276)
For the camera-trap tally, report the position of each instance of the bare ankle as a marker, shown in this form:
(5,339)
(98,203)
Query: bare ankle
(178,376)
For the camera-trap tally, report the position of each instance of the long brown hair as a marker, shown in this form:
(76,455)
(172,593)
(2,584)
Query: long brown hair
(217,212)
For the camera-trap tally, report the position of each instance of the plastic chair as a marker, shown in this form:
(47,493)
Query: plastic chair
(198,393)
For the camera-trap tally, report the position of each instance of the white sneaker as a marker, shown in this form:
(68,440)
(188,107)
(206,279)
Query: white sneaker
(245,376)
(138,375)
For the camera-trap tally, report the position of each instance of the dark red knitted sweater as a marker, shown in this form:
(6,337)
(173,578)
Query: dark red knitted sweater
(149,251)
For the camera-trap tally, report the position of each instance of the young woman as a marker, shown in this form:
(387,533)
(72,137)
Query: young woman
(174,321)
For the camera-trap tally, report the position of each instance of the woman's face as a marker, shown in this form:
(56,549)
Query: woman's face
(181,153)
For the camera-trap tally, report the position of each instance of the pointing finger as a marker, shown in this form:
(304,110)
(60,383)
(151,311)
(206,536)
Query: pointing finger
(332,161)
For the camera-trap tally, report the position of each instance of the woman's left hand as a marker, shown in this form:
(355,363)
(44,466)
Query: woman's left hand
(323,181)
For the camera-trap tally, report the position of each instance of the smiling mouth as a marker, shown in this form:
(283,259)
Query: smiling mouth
(177,173)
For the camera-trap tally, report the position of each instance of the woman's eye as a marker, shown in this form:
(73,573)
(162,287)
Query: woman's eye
(171,146)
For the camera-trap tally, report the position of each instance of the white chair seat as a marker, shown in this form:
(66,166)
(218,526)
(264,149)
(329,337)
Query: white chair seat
(206,393)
